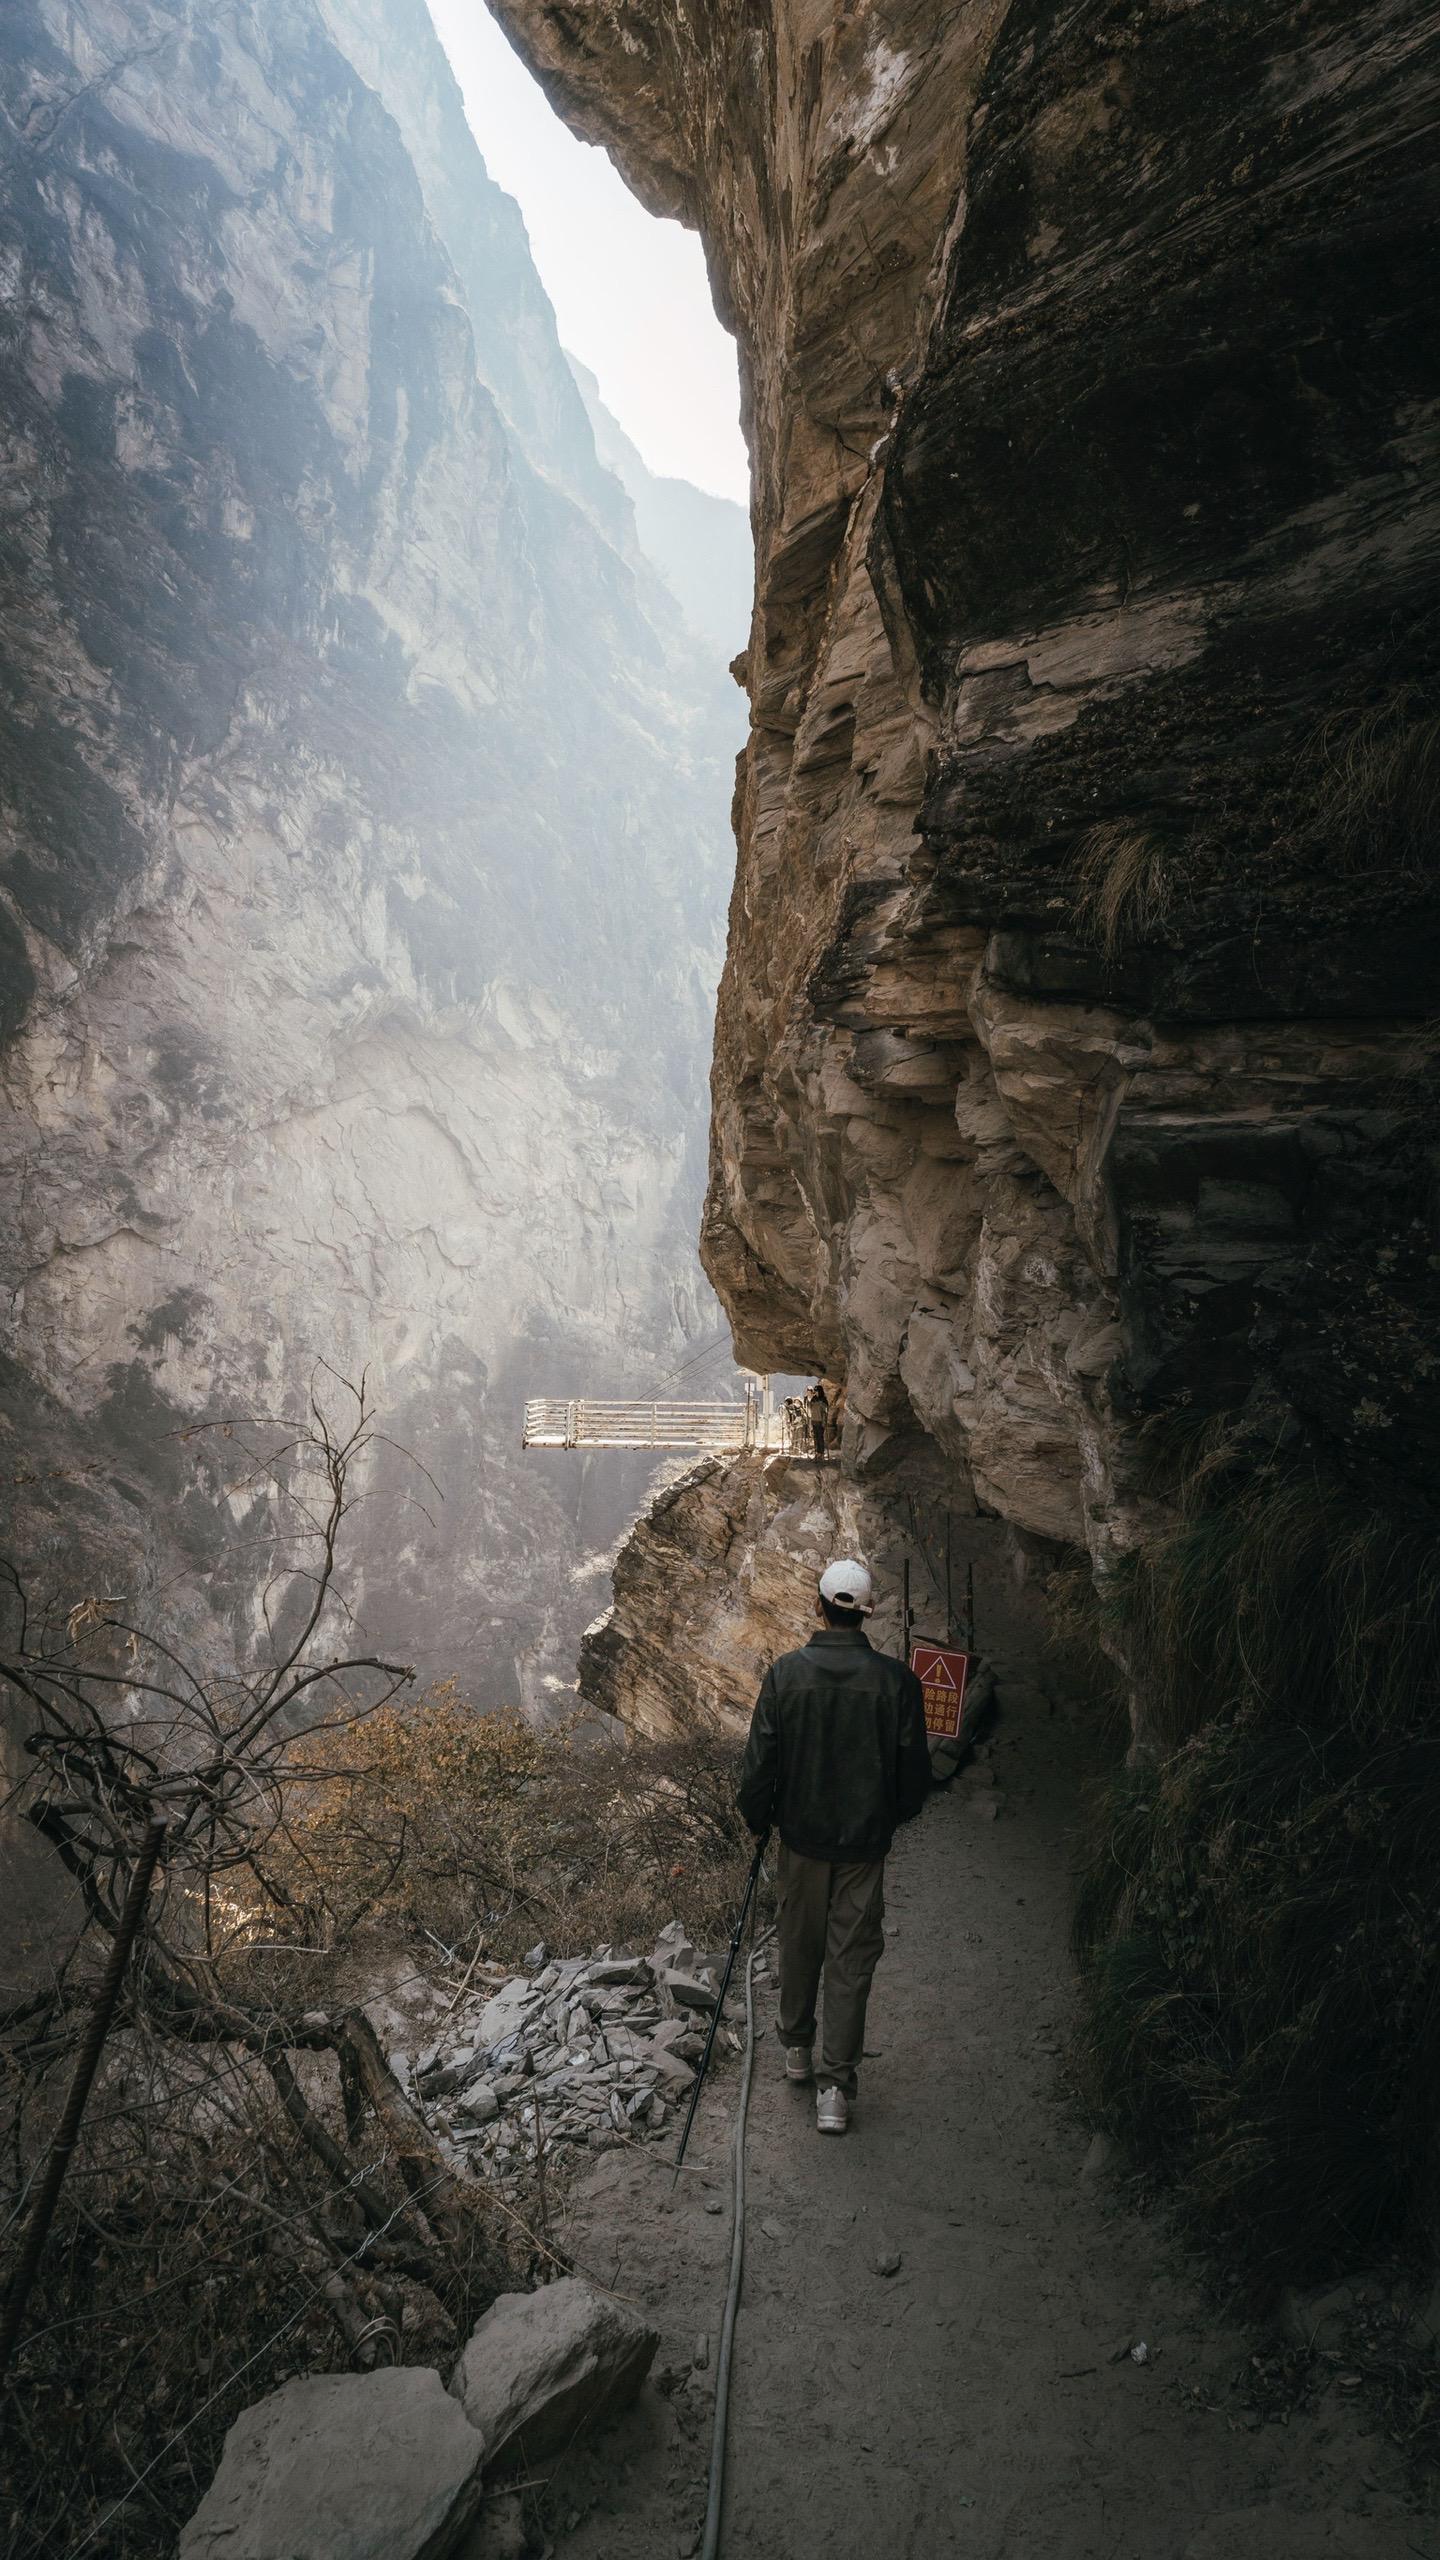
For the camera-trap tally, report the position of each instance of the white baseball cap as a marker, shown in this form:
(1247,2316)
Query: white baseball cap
(848,1585)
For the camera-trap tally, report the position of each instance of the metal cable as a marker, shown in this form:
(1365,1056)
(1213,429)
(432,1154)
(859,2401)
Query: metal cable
(711,2544)
(721,1341)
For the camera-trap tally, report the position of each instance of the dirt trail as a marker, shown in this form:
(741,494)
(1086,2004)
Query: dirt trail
(972,2402)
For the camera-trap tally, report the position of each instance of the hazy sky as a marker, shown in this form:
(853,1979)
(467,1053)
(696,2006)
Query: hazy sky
(630,293)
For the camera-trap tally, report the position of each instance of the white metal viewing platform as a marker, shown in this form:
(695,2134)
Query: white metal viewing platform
(590,1422)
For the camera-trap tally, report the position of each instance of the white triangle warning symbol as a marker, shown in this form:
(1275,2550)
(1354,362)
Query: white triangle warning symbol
(937,1673)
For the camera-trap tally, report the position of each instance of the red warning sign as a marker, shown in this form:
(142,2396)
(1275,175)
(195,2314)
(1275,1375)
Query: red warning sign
(942,1673)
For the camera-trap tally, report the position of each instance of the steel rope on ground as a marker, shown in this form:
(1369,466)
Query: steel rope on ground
(711,2543)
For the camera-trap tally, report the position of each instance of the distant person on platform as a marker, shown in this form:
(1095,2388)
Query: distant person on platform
(837,1759)
(817,1406)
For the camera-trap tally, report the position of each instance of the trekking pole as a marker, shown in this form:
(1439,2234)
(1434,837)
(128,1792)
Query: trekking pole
(736,1935)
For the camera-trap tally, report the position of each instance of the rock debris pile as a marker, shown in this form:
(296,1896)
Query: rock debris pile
(593,2050)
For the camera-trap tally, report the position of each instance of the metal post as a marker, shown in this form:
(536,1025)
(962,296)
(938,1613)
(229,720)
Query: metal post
(906,1615)
(970,1608)
(949,1610)
(67,2132)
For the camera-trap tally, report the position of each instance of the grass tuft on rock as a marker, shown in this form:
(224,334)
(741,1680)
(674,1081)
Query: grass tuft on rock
(1258,1923)
(1123,884)
(1378,784)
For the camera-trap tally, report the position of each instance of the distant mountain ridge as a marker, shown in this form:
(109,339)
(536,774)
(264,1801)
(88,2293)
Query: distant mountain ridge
(700,543)
(394,47)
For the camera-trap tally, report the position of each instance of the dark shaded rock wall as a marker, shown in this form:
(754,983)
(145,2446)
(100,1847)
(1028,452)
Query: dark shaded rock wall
(361,828)
(1075,1059)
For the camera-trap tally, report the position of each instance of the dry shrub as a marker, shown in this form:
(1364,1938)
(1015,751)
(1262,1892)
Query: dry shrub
(253,2189)
(661,1840)
(1123,884)
(1259,1924)
(202,2255)
(431,1821)
(418,1819)
(255,2194)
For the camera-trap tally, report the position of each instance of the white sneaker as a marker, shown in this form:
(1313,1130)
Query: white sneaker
(797,2062)
(832,2111)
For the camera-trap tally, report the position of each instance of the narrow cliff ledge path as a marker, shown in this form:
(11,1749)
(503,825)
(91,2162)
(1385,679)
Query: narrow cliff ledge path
(980,2399)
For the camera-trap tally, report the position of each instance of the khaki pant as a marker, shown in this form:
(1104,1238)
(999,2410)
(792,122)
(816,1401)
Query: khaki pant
(830,1918)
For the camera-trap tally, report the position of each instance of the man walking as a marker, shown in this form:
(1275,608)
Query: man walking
(837,1758)
(817,1406)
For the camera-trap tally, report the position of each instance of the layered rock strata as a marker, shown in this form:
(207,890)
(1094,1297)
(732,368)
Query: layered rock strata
(363,800)
(716,1578)
(1076,1043)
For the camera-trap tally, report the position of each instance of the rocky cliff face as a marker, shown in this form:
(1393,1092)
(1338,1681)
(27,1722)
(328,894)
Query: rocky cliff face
(1077,1031)
(716,1578)
(363,802)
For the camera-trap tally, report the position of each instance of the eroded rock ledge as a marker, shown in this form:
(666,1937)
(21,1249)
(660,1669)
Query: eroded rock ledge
(1077,1034)
(716,1578)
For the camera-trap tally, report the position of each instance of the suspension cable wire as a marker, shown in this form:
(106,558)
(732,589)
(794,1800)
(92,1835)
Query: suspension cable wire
(720,1342)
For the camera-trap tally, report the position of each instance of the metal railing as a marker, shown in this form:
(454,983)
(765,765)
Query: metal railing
(658,1422)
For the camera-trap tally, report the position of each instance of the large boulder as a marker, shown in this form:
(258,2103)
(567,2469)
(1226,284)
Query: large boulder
(343,2466)
(539,2364)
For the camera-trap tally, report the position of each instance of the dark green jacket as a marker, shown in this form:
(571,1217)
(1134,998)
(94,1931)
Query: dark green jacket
(837,1754)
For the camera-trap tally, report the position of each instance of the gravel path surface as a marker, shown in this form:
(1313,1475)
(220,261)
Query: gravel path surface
(981,2398)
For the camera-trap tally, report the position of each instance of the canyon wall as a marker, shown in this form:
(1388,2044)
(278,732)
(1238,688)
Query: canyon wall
(718,1576)
(1075,1060)
(364,800)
